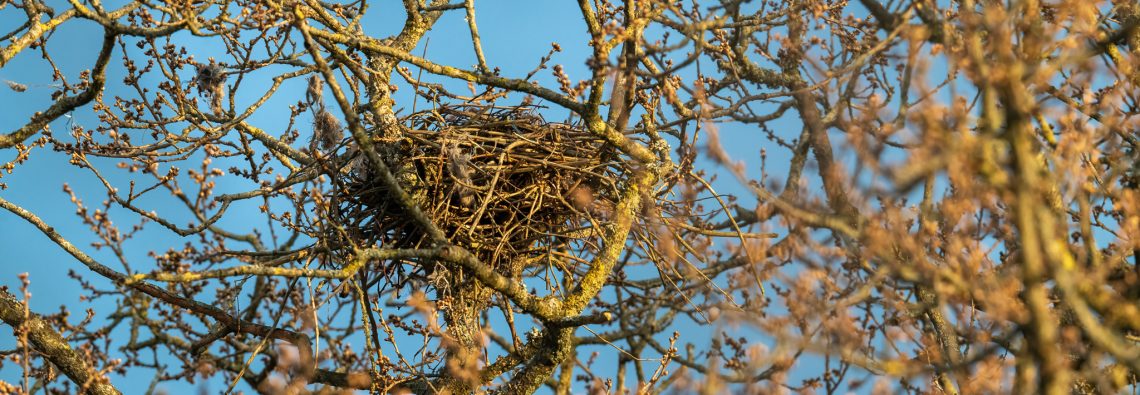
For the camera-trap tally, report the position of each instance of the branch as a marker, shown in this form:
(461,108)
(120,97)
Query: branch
(108,21)
(33,34)
(595,123)
(576,321)
(237,271)
(887,20)
(615,235)
(545,309)
(67,104)
(362,139)
(369,44)
(53,346)
(304,345)
(470,6)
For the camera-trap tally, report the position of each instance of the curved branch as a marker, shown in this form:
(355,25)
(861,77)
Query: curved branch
(33,34)
(67,104)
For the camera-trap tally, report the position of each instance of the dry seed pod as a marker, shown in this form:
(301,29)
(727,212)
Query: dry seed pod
(459,164)
(16,86)
(326,130)
(314,95)
(210,79)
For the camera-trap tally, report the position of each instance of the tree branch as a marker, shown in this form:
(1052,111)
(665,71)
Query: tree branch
(65,105)
(53,346)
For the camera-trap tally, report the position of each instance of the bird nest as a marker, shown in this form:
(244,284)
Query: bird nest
(501,182)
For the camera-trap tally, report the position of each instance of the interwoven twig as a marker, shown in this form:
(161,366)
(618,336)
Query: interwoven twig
(501,182)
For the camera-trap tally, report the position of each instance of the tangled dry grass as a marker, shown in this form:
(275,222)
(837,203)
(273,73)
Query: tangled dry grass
(327,132)
(501,182)
(210,80)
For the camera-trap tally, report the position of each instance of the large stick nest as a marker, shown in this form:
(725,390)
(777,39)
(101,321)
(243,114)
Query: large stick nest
(501,182)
